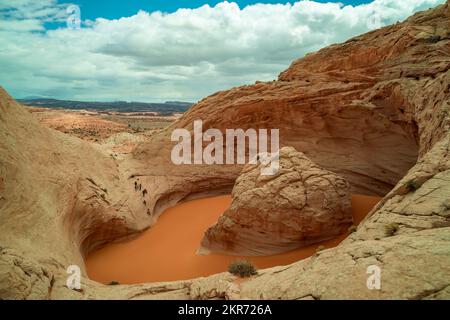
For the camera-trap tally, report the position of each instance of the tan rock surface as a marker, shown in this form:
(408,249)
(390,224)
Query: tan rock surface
(375,110)
(300,205)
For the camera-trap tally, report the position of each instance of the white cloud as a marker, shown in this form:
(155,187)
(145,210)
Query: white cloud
(184,55)
(29,15)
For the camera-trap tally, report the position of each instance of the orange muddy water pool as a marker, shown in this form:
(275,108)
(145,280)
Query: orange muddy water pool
(167,251)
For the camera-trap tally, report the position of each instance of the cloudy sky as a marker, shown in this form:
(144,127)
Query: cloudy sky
(158,50)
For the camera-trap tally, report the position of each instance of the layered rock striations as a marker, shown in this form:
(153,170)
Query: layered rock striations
(301,204)
(60,196)
(374,110)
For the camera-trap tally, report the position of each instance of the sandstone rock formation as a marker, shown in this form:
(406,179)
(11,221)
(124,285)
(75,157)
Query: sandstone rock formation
(300,205)
(375,110)
(68,195)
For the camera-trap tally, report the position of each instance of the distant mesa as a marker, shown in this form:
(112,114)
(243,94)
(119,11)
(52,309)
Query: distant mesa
(168,107)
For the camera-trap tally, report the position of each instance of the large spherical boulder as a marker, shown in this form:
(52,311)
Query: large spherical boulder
(299,205)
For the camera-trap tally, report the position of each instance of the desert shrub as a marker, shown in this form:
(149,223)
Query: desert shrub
(320,248)
(391,229)
(242,269)
(113,283)
(412,185)
(433,39)
(352,229)
(447,204)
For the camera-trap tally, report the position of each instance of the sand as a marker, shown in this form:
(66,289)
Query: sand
(167,251)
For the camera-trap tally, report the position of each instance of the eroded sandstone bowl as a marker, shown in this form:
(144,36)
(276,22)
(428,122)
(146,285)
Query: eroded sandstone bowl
(299,205)
(375,110)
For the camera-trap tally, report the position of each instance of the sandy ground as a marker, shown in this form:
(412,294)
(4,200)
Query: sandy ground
(167,251)
(96,126)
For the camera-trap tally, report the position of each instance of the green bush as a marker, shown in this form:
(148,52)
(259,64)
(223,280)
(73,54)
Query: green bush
(412,185)
(113,283)
(391,229)
(242,269)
